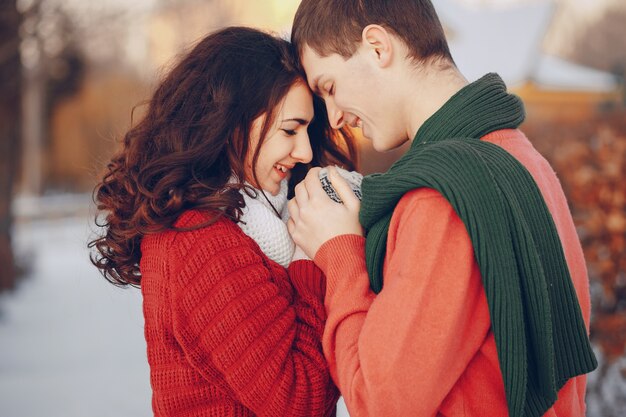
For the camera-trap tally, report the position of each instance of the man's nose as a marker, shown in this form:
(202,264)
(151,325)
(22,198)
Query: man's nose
(335,116)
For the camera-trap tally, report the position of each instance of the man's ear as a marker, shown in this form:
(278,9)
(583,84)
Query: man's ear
(377,42)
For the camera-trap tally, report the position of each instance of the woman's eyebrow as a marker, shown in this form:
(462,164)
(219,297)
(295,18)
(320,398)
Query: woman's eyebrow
(297,119)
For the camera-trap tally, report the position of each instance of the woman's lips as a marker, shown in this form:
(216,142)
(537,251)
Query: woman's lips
(282,170)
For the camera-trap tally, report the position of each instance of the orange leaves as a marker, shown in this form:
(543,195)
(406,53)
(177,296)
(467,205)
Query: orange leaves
(590,160)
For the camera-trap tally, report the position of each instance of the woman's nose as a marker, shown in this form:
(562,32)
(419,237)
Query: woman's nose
(302,151)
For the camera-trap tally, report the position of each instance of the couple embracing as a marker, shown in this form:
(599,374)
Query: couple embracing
(455,287)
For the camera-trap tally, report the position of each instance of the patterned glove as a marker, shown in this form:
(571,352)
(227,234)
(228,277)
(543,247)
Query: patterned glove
(352,177)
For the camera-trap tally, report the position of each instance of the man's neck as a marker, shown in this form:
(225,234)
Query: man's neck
(430,89)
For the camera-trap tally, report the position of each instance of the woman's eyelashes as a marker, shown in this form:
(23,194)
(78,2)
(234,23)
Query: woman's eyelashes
(290,132)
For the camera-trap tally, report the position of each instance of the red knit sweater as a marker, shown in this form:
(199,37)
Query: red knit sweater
(230,332)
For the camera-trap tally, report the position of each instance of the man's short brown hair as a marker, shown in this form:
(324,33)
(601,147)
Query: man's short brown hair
(335,26)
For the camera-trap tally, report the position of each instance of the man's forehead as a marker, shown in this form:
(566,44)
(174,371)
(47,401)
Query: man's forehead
(313,61)
(311,64)
(309,58)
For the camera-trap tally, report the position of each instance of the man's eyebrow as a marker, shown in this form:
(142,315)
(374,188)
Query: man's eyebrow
(315,87)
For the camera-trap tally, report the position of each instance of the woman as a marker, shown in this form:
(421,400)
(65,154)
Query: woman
(229,331)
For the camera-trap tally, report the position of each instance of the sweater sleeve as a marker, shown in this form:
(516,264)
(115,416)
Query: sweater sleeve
(233,316)
(310,286)
(309,283)
(402,351)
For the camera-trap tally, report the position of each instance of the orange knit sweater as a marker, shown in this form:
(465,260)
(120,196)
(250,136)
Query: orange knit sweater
(424,345)
(230,332)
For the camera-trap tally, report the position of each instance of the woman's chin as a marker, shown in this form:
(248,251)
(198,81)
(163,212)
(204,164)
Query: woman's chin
(273,189)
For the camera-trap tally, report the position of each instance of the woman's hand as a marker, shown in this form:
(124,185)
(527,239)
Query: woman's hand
(299,255)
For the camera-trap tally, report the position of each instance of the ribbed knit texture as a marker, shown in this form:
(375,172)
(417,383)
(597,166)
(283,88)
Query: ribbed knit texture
(260,221)
(230,332)
(536,318)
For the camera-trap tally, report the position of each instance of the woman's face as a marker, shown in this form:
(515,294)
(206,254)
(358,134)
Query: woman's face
(286,143)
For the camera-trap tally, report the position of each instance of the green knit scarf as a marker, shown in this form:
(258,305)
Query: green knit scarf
(535,316)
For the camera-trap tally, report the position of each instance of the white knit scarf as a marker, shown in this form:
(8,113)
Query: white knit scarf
(260,222)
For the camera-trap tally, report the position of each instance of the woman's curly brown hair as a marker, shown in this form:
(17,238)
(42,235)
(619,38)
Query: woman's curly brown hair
(194,137)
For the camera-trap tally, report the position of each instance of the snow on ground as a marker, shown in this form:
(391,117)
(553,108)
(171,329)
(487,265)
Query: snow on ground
(71,344)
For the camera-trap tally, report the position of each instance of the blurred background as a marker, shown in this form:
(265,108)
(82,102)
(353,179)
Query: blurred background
(71,72)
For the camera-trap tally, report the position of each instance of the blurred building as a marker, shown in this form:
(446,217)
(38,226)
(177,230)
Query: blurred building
(510,41)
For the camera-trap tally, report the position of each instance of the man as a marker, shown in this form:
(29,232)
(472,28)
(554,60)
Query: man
(469,294)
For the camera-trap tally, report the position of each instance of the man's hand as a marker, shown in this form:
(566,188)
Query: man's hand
(315,218)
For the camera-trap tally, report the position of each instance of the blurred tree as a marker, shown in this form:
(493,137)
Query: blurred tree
(53,67)
(38,66)
(10,74)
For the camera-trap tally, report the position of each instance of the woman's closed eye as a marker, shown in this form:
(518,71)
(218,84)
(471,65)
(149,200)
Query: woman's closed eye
(290,132)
